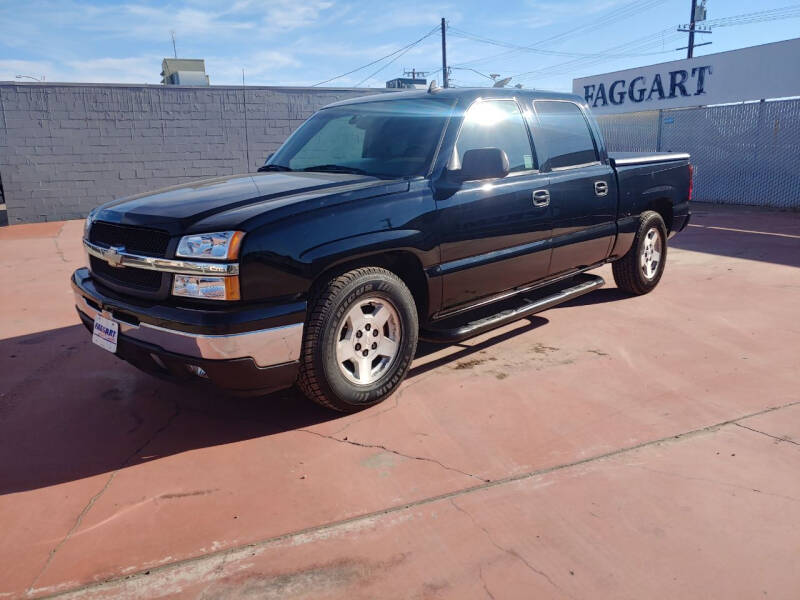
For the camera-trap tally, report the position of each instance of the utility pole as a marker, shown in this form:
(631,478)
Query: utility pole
(698,15)
(414,73)
(445,77)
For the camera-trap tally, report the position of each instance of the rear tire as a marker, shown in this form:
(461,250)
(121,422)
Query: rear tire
(359,340)
(640,270)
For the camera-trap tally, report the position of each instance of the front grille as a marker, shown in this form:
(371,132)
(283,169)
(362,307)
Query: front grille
(140,279)
(136,240)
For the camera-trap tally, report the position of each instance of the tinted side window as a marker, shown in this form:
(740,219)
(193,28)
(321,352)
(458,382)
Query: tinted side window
(497,124)
(562,135)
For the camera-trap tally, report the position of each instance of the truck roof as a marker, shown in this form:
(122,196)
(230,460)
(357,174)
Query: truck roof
(467,94)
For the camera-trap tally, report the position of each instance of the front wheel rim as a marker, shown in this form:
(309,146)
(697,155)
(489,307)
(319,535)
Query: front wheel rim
(368,340)
(652,250)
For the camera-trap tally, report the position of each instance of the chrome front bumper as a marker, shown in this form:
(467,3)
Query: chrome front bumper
(267,347)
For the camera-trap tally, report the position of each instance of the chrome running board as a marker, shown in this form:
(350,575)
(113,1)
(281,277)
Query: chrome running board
(455,329)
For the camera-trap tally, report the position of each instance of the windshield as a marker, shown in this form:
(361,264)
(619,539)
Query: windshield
(396,138)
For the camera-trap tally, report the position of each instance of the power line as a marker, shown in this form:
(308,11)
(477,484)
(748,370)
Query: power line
(792,11)
(615,15)
(474,71)
(571,65)
(624,12)
(640,46)
(642,43)
(466,35)
(369,64)
(787,12)
(368,77)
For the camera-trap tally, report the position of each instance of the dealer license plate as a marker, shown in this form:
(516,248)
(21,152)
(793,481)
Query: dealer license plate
(105,333)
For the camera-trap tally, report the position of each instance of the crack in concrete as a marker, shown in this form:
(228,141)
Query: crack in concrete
(483,581)
(510,551)
(72,529)
(374,414)
(315,529)
(769,435)
(385,449)
(715,482)
(93,500)
(59,250)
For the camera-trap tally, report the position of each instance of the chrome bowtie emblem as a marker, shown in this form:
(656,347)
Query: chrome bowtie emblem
(113,255)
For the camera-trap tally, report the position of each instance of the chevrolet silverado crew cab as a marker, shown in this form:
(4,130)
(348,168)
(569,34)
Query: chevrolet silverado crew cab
(381,220)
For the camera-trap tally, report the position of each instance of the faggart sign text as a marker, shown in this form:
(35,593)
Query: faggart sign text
(673,84)
(755,73)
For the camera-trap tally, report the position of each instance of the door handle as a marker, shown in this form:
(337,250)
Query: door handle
(541,198)
(601,188)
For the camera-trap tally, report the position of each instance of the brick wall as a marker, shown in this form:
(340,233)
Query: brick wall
(65,148)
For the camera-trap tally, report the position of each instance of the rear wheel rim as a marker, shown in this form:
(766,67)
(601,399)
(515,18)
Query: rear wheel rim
(368,340)
(652,251)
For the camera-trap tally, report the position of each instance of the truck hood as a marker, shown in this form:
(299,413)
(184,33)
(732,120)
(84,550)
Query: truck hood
(228,202)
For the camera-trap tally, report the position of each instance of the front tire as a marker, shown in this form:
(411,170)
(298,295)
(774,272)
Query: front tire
(359,340)
(640,270)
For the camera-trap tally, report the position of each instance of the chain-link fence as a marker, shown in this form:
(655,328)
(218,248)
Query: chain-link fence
(742,153)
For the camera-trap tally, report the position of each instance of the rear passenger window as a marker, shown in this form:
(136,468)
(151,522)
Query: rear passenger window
(496,124)
(562,135)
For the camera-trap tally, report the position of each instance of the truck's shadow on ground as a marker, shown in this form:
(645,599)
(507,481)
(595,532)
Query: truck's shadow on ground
(69,410)
(604,294)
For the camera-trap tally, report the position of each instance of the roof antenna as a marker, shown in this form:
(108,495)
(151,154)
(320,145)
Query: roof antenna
(433,87)
(174,48)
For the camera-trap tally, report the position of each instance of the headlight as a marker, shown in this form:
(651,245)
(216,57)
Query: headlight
(221,245)
(206,288)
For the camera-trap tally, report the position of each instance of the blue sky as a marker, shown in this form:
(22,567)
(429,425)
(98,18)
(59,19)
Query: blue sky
(302,42)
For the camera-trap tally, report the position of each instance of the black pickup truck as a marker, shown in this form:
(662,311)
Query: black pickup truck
(384,219)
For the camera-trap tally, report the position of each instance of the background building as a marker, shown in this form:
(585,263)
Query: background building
(184,71)
(413,83)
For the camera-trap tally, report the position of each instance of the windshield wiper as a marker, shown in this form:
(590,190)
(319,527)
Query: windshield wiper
(273,168)
(337,169)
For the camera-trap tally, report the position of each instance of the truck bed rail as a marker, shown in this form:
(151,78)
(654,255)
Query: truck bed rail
(621,159)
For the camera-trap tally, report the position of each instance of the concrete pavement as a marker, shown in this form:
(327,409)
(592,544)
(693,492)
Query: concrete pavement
(613,447)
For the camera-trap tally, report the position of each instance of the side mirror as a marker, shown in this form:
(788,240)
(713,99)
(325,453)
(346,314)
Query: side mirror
(484,163)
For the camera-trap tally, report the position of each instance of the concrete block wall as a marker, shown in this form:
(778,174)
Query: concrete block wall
(66,148)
